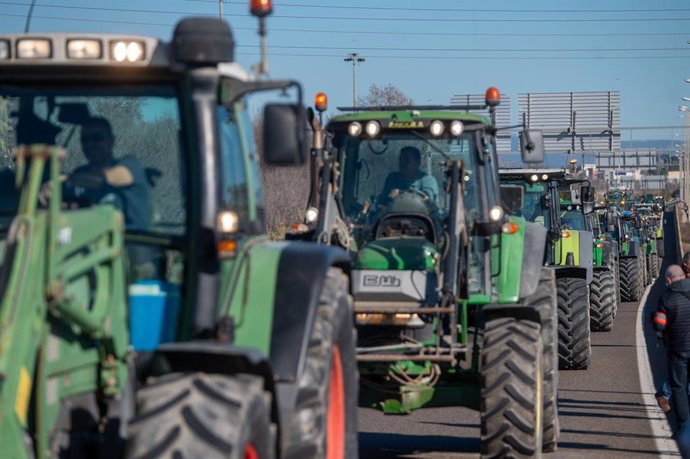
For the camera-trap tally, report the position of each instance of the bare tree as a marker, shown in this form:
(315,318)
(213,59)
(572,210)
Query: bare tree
(379,95)
(286,190)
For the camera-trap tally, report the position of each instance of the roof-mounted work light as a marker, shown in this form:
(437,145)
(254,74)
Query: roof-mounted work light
(34,48)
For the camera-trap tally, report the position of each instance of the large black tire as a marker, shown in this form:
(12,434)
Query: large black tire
(654,263)
(511,385)
(660,248)
(574,341)
(630,280)
(202,415)
(602,300)
(328,387)
(544,299)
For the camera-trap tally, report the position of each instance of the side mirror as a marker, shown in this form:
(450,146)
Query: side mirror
(532,146)
(284,137)
(587,194)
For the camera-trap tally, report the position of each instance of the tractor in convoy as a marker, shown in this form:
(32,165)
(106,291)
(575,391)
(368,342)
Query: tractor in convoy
(143,312)
(536,194)
(452,304)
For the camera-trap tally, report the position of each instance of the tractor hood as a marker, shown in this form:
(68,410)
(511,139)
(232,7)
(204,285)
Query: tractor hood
(398,253)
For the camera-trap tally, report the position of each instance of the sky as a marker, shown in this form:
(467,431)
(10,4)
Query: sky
(431,49)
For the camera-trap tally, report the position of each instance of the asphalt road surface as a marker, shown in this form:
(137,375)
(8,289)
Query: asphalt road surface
(603,410)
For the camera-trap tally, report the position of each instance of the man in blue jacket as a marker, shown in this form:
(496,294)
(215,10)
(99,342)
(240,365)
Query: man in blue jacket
(673,318)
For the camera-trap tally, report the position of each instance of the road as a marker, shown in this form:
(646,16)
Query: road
(603,410)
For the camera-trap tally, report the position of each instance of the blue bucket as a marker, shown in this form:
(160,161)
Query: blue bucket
(153,311)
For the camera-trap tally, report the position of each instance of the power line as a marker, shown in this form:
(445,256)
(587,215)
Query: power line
(502,58)
(340,18)
(462,10)
(685,48)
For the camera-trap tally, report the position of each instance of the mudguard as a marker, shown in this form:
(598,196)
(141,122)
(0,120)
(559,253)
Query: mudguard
(532,258)
(522,256)
(570,271)
(301,272)
(516,311)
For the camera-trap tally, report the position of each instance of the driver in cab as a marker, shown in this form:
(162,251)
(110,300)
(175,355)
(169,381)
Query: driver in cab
(408,178)
(118,181)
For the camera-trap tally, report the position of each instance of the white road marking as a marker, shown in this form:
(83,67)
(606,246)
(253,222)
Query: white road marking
(665,445)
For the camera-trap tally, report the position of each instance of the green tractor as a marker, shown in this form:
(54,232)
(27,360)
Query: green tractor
(604,294)
(535,195)
(143,312)
(452,305)
(624,228)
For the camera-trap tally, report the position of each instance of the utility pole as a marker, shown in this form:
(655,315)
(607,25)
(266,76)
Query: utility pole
(354,58)
(220,8)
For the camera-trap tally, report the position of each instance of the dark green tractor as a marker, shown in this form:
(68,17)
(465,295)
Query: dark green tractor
(535,195)
(449,292)
(604,294)
(633,266)
(161,323)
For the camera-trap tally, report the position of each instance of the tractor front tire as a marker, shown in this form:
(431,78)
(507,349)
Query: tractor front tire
(630,280)
(511,385)
(602,300)
(199,415)
(324,423)
(574,340)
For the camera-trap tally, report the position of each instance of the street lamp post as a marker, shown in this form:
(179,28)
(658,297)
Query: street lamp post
(354,58)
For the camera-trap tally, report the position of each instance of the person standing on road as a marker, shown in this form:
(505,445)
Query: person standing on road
(673,318)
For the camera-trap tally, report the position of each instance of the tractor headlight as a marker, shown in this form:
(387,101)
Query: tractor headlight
(372,128)
(311,215)
(34,48)
(4,49)
(84,49)
(130,51)
(496,214)
(436,128)
(457,128)
(354,129)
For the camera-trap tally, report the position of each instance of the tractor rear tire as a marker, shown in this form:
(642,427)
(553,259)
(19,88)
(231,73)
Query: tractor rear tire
(602,300)
(630,280)
(199,415)
(324,422)
(654,262)
(574,340)
(544,300)
(511,385)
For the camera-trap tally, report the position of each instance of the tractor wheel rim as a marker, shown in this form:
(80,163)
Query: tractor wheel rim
(335,430)
(250,452)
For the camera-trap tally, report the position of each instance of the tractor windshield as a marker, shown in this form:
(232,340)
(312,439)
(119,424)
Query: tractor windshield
(403,170)
(123,149)
(573,219)
(527,200)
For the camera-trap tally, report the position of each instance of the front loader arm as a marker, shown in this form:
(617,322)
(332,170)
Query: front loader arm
(62,309)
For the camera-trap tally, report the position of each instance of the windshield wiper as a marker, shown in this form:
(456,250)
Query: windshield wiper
(445,155)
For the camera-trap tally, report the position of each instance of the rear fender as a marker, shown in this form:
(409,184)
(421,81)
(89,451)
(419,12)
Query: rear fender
(522,256)
(301,273)
(515,311)
(570,271)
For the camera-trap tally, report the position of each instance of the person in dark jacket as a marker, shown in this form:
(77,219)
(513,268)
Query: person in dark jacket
(673,318)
